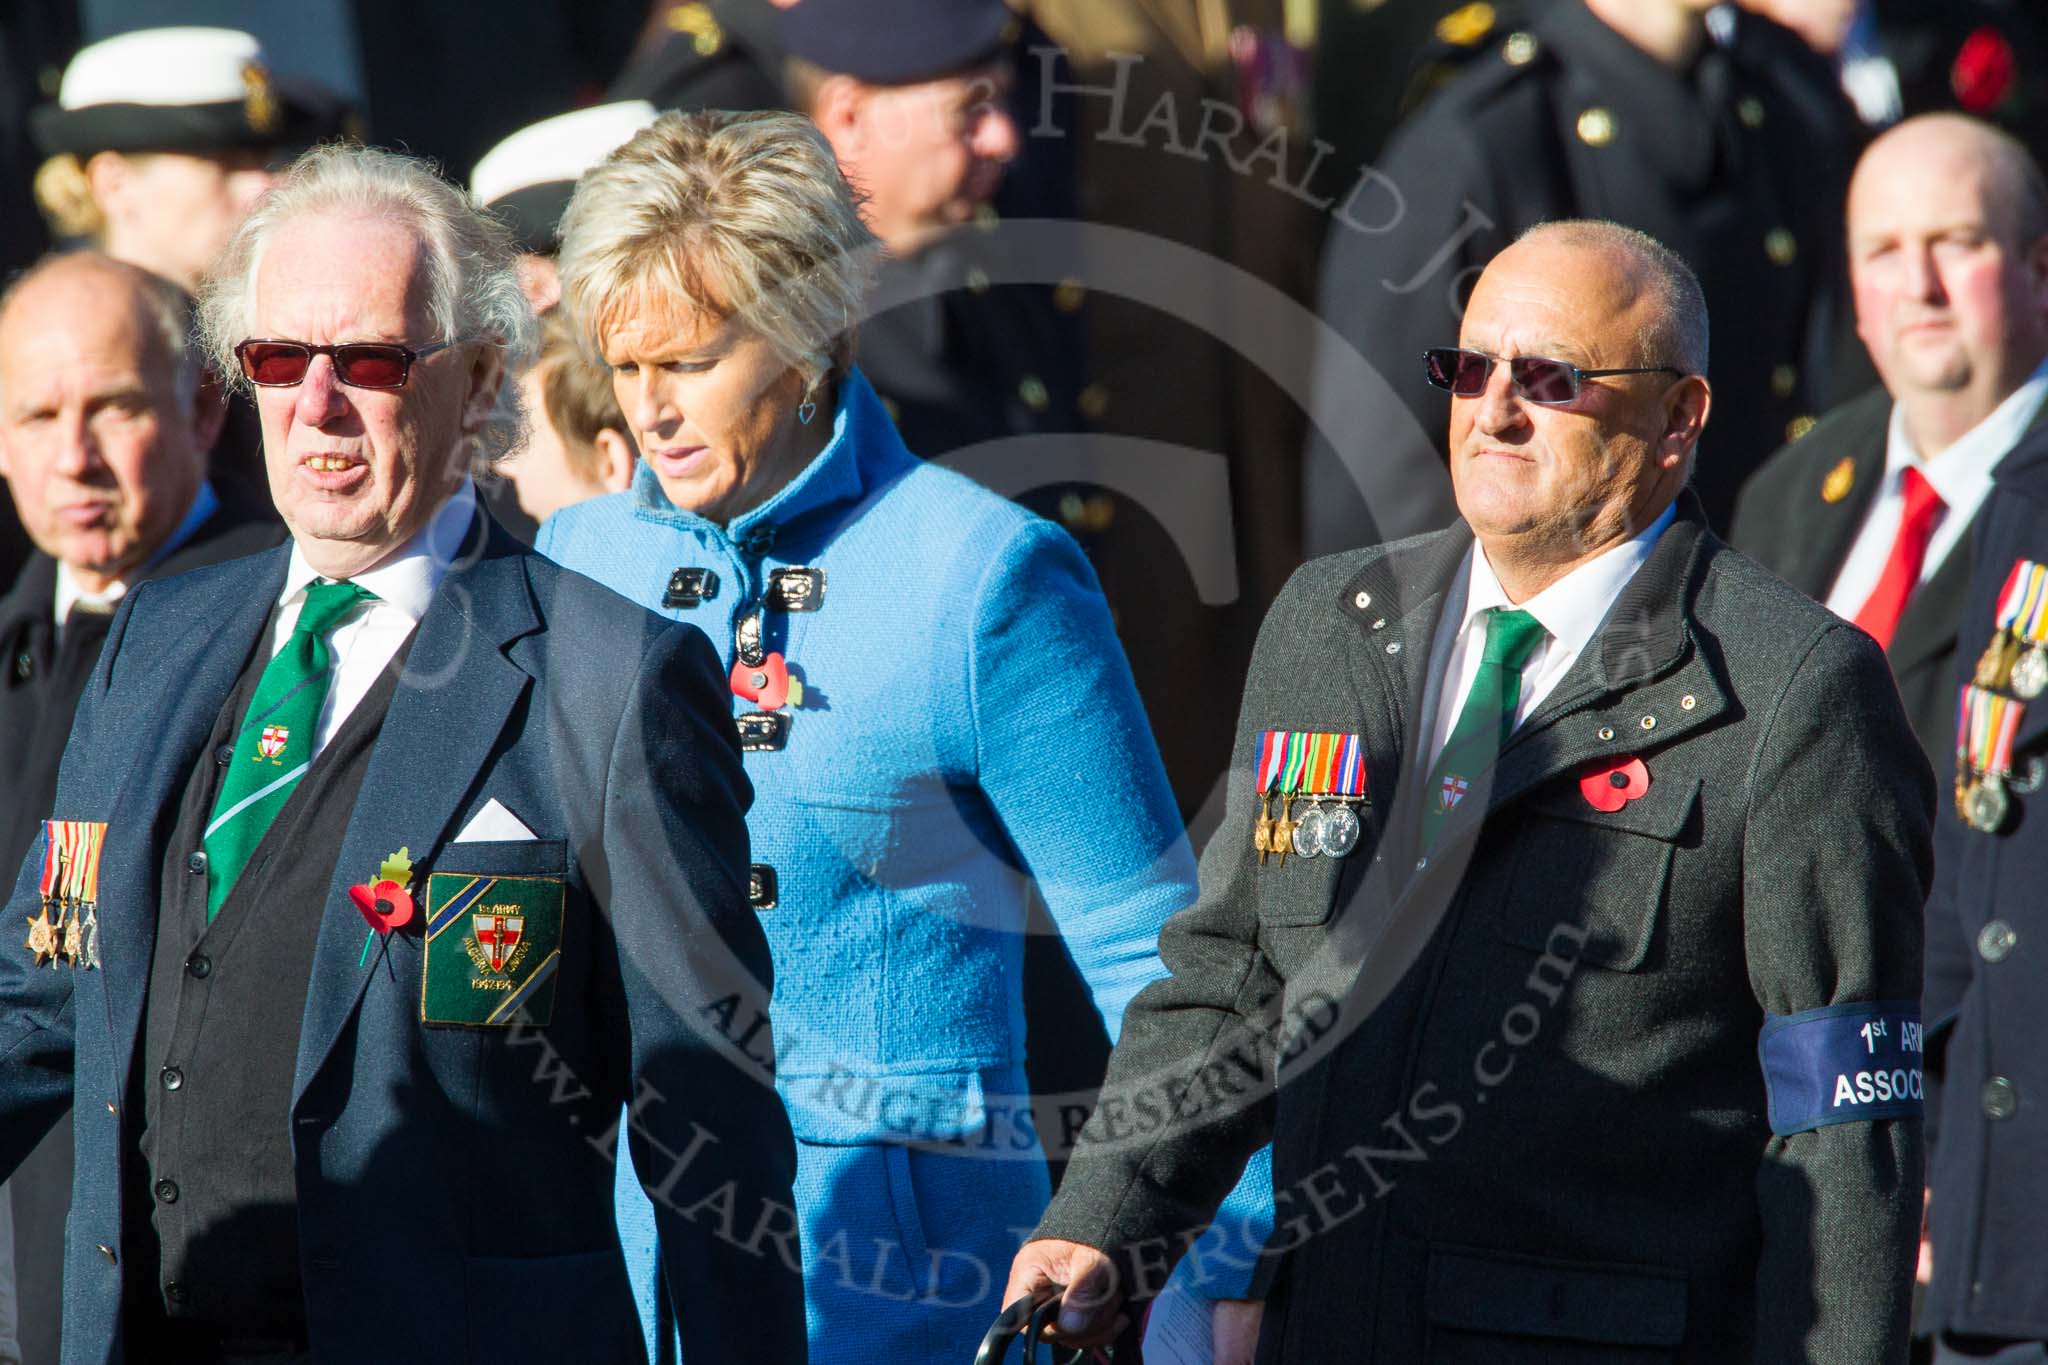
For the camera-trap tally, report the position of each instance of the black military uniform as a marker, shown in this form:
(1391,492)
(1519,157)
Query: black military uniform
(45,672)
(708,54)
(1739,164)
(1799,515)
(1987,936)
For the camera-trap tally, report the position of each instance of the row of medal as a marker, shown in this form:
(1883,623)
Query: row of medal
(1987,719)
(1326,770)
(71,890)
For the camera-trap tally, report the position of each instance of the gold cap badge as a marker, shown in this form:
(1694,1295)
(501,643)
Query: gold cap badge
(259,100)
(1839,481)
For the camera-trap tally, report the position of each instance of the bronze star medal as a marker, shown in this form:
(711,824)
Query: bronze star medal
(42,937)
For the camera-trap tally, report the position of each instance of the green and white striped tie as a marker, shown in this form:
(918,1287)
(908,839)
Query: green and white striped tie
(275,744)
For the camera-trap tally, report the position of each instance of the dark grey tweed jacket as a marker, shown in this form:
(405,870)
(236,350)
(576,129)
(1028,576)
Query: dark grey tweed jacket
(1520,1115)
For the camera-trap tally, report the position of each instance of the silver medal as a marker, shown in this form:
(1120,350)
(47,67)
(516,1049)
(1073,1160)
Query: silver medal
(1988,803)
(2030,674)
(1340,831)
(1308,833)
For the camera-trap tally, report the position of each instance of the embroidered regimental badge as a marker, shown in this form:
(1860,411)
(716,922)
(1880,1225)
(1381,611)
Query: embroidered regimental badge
(494,945)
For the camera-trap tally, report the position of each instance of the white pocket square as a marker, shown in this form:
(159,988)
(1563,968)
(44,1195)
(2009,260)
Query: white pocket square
(495,824)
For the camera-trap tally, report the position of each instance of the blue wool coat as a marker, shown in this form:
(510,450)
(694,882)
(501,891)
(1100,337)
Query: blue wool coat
(969,734)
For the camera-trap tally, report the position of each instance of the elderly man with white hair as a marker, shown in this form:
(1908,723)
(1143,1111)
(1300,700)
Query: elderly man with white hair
(384,869)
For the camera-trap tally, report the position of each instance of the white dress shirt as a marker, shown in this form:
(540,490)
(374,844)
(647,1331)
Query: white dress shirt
(1961,475)
(372,632)
(72,593)
(1569,610)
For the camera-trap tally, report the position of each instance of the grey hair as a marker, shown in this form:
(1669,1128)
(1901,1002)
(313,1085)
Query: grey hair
(1676,333)
(168,308)
(741,215)
(472,283)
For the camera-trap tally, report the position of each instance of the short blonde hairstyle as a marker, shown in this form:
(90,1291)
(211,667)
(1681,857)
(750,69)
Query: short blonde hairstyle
(741,215)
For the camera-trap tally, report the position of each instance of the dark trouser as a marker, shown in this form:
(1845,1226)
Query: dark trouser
(1985,1351)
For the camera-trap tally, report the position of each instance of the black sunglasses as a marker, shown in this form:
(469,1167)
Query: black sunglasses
(358,364)
(1537,379)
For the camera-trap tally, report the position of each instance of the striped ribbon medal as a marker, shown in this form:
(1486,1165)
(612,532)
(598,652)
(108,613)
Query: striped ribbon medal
(1985,725)
(67,929)
(2017,657)
(1324,768)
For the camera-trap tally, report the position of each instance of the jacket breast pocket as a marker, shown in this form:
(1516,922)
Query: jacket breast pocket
(493,923)
(505,858)
(1589,883)
(1495,1308)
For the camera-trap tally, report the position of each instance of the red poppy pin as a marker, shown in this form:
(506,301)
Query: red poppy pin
(1610,786)
(385,902)
(1984,71)
(767,684)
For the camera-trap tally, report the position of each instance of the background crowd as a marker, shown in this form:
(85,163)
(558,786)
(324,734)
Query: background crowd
(1159,270)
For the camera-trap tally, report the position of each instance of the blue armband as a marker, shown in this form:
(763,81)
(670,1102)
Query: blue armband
(1841,1064)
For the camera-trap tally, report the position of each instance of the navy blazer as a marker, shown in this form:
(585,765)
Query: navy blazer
(454,1184)
(1987,939)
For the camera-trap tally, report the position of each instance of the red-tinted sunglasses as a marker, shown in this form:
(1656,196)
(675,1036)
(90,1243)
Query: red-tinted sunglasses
(358,364)
(1535,378)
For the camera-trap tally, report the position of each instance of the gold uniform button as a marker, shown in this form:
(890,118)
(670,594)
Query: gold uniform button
(1068,295)
(1596,127)
(1519,49)
(977,280)
(1750,110)
(1798,427)
(696,19)
(986,218)
(1839,481)
(1094,402)
(1032,390)
(1784,379)
(1467,24)
(1781,246)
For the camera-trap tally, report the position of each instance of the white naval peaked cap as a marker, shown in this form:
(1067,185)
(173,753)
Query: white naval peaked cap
(162,66)
(189,88)
(528,178)
(557,149)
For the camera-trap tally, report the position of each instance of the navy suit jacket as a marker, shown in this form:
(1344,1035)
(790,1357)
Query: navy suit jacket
(454,1184)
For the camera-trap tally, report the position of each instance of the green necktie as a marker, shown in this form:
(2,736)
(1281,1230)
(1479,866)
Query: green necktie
(275,744)
(1488,718)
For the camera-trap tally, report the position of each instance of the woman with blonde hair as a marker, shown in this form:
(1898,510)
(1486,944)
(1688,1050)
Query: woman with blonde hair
(937,720)
(160,140)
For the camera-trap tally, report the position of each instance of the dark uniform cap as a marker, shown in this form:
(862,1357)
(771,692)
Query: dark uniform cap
(181,90)
(528,178)
(896,42)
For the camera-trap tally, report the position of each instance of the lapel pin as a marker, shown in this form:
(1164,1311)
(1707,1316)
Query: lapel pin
(385,901)
(1839,481)
(768,684)
(1611,785)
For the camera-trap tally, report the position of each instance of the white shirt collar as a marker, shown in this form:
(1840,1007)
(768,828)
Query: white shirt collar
(1962,473)
(407,580)
(1572,608)
(70,592)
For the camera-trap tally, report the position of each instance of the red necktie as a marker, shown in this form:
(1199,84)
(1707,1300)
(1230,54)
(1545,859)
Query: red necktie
(1887,601)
